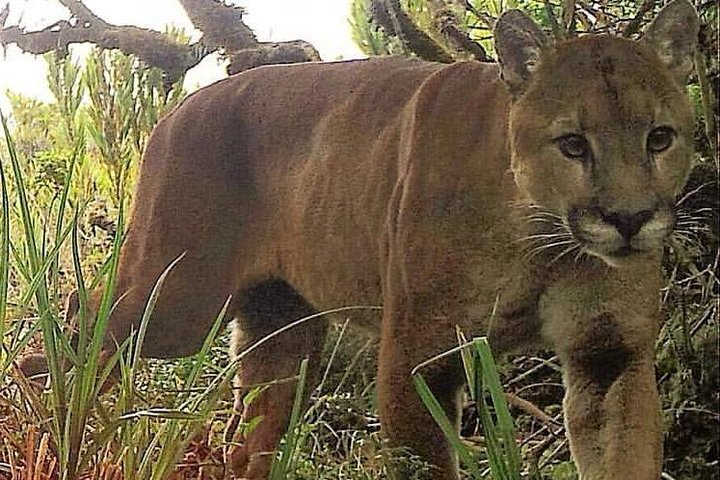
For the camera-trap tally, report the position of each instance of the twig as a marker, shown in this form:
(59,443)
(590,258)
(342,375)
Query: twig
(483,17)
(558,33)
(634,25)
(532,410)
(4,14)
(568,16)
(533,457)
(462,40)
(542,363)
(538,385)
(554,453)
(412,37)
(542,430)
(707,102)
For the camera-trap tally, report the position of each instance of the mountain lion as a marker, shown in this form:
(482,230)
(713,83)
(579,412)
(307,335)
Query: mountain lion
(527,200)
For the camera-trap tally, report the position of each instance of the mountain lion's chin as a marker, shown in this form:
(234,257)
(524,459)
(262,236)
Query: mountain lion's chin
(622,257)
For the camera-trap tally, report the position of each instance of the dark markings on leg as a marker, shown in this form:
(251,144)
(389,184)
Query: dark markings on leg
(270,305)
(602,356)
(263,309)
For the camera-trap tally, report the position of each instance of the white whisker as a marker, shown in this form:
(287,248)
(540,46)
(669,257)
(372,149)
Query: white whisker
(565,252)
(692,193)
(544,215)
(535,251)
(543,236)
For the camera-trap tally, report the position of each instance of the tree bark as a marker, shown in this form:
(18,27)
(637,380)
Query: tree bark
(222,26)
(390,15)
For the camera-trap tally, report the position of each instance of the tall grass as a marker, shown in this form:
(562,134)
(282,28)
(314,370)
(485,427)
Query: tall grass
(152,439)
(483,381)
(4,254)
(43,250)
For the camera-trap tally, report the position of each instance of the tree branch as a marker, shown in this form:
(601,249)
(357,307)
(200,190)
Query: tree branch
(464,42)
(558,32)
(568,18)
(446,22)
(223,27)
(269,53)
(390,15)
(153,48)
(486,19)
(634,25)
(80,11)
(221,24)
(4,14)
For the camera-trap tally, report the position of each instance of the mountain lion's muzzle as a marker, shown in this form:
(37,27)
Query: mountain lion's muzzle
(616,234)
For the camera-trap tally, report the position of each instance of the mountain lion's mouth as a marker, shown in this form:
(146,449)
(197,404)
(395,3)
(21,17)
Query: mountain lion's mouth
(610,247)
(614,238)
(620,235)
(625,251)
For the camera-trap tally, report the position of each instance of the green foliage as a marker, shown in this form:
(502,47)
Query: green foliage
(48,246)
(4,252)
(34,125)
(481,373)
(371,39)
(284,464)
(125,102)
(65,82)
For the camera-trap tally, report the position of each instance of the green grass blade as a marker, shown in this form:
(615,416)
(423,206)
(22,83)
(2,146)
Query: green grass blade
(4,249)
(26,215)
(505,426)
(147,313)
(449,430)
(19,341)
(81,290)
(63,204)
(39,276)
(103,314)
(280,468)
(46,310)
(468,362)
(181,422)
(203,355)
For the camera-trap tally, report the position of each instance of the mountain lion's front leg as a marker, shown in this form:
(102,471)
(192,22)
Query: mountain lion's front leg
(604,333)
(612,414)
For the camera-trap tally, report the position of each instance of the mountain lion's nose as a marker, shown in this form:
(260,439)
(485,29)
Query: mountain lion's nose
(628,224)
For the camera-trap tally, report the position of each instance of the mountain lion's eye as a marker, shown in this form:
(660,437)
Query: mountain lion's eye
(659,139)
(573,146)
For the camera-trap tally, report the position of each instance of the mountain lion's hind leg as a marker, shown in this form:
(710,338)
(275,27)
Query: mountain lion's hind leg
(263,309)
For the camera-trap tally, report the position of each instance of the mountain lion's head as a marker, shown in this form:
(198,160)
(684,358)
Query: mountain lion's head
(601,130)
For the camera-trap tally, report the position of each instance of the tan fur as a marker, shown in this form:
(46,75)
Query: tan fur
(416,186)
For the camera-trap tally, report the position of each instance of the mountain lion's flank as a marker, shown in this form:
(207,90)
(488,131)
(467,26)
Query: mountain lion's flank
(546,182)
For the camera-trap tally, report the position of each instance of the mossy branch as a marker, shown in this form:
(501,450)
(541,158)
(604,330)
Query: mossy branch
(222,26)
(390,15)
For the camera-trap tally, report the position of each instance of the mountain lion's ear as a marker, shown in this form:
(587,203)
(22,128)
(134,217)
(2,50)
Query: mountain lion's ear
(518,42)
(674,36)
